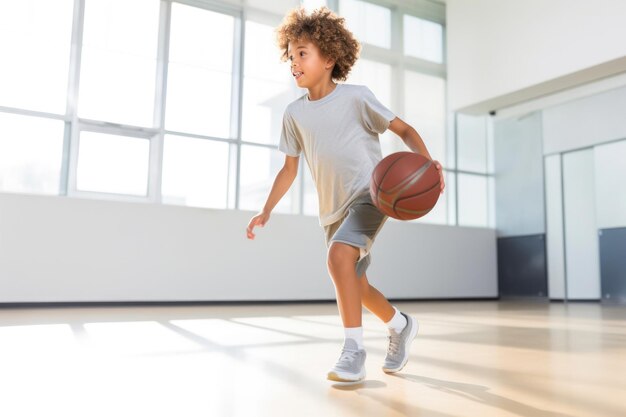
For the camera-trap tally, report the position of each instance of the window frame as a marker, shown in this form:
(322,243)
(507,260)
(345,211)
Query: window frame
(394,56)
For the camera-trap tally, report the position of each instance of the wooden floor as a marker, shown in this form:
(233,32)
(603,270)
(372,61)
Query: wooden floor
(469,359)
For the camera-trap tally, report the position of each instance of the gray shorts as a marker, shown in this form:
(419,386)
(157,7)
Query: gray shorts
(358,228)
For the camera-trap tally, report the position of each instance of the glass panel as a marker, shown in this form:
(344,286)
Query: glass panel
(370,23)
(200,72)
(311,5)
(490,146)
(275,7)
(423,39)
(473,200)
(491,201)
(35,40)
(259,166)
(118,67)
(112,164)
(472,143)
(425,108)
(376,76)
(450,194)
(267,88)
(31,151)
(450,162)
(195,172)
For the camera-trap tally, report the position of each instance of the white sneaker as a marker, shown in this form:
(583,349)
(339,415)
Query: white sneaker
(351,364)
(400,346)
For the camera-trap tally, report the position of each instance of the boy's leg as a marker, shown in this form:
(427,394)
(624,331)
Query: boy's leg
(351,364)
(348,258)
(375,301)
(402,327)
(341,260)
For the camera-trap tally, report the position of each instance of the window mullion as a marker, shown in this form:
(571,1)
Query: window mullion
(70,142)
(157,142)
(237,99)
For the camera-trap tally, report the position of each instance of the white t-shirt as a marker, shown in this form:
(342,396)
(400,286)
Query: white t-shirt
(339,137)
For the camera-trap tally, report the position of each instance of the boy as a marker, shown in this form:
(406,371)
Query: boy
(336,126)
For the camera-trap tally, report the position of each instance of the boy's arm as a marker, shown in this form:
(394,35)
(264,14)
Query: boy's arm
(414,141)
(282,182)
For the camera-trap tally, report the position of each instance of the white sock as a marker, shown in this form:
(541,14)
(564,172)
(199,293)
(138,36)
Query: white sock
(355,333)
(397,322)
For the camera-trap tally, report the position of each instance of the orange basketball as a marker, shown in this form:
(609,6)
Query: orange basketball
(405,185)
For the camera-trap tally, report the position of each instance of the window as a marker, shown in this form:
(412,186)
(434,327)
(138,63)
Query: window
(473,199)
(195,172)
(423,39)
(156,72)
(118,69)
(310,5)
(369,22)
(472,143)
(35,40)
(110,163)
(200,72)
(425,110)
(376,76)
(268,86)
(450,195)
(31,149)
(475,171)
(259,166)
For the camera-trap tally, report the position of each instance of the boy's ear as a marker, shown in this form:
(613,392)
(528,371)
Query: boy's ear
(330,63)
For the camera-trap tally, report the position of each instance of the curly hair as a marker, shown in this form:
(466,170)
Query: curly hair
(327,31)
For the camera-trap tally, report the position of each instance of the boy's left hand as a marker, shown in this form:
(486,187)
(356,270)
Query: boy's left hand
(442,182)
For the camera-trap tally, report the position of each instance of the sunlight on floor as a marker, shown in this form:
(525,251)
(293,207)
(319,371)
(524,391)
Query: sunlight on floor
(470,359)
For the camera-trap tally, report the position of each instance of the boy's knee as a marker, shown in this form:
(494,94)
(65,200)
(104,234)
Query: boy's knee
(340,254)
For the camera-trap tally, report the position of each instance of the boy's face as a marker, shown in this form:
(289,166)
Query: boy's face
(308,66)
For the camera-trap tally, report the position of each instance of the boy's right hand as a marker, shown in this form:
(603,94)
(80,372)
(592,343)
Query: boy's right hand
(258,220)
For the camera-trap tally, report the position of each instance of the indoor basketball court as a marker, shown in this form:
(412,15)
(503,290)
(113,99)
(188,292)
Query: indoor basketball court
(189,225)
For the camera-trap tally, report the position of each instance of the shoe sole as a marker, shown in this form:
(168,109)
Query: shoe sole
(407,347)
(342,377)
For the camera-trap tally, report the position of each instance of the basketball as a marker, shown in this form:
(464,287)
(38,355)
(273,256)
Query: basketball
(405,185)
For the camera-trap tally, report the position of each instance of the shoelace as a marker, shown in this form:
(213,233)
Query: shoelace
(347,355)
(394,344)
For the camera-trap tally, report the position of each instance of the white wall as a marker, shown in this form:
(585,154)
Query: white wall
(56,249)
(502,52)
(585,122)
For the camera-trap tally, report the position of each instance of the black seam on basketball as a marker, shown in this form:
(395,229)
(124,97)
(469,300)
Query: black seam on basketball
(416,176)
(398,215)
(382,178)
(387,170)
(395,209)
(423,192)
(408,181)
(419,212)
